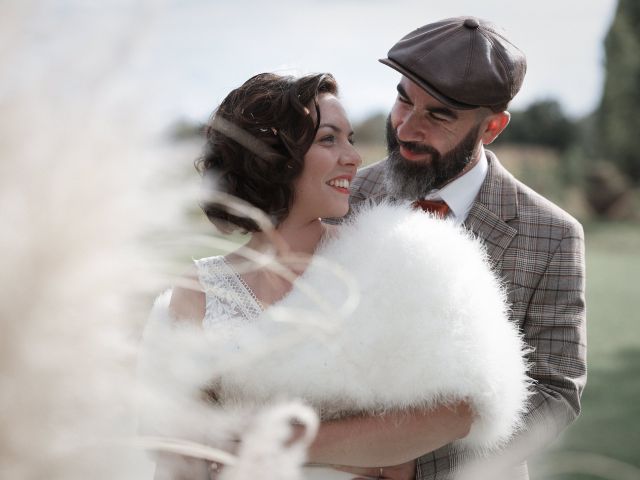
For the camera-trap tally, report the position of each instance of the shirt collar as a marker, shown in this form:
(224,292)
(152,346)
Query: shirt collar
(460,193)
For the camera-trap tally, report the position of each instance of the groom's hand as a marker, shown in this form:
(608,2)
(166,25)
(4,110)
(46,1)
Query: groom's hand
(405,471)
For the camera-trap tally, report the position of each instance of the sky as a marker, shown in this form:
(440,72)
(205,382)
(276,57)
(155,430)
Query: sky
(173,59)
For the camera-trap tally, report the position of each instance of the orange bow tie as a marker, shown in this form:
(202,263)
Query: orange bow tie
(438,208)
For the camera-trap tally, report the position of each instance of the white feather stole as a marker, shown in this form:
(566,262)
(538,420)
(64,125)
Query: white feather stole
(428,324)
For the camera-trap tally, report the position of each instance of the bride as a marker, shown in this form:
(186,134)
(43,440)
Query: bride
(413,350)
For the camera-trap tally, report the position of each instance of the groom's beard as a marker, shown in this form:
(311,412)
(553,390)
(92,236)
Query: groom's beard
(411,180)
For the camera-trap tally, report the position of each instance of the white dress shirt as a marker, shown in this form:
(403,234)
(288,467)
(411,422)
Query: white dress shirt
(460,193)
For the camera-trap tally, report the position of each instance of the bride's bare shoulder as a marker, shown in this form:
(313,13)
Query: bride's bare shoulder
(187,298)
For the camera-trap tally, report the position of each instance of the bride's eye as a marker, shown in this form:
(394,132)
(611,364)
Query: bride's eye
(328,139)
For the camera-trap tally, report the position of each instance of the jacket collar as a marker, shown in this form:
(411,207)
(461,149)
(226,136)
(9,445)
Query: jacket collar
(495,207)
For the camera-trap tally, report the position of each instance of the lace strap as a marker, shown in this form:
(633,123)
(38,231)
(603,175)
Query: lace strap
(244,284)
(227,294)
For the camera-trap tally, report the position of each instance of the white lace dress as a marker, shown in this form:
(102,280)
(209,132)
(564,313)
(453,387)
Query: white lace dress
(231,303)
(229,300)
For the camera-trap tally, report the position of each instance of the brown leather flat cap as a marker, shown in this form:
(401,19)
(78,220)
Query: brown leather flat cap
(465,62)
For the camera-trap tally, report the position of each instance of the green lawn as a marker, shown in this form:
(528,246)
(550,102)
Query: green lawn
(606,437)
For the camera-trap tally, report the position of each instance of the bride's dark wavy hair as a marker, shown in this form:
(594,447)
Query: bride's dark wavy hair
(256,141)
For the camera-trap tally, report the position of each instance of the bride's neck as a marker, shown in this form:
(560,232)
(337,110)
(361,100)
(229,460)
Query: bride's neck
(295,243)
(295,238)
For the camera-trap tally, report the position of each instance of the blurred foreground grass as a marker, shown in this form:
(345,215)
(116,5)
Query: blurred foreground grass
(609,427)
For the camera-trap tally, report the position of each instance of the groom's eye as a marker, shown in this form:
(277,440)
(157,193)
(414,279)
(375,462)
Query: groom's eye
(442,114)
(402,95)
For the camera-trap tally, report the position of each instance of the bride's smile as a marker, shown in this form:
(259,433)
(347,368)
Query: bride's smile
(329,165)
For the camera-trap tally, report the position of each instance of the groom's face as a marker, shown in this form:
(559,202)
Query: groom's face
(429,143)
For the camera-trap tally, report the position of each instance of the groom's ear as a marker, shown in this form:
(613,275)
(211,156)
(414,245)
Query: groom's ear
(494,124)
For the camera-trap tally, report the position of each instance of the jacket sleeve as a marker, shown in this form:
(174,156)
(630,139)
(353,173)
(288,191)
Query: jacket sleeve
(555,326)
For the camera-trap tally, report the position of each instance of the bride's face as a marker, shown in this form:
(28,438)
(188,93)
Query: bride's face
(322,190)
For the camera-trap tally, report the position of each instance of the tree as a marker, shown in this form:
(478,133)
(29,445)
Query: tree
(618,117)
(542,123)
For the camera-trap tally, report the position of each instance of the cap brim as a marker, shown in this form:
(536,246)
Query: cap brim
(426,86)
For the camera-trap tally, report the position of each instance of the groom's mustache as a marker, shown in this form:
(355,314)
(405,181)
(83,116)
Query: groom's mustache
(394,143)
(418,148)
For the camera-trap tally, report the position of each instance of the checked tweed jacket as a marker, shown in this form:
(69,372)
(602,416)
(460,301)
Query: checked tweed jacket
(538,250)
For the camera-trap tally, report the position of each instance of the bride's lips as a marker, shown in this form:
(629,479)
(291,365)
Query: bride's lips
(341,183)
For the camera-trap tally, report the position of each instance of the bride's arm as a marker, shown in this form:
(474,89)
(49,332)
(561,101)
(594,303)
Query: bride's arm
(188,301)
(389,439)
(187,304)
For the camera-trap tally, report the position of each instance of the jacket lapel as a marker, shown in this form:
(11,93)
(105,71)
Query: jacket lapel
(494,209)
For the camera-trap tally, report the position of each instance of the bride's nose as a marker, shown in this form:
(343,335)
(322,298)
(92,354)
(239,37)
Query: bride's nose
(351,157)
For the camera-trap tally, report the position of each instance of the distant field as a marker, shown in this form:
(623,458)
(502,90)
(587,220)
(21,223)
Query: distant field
(610,422)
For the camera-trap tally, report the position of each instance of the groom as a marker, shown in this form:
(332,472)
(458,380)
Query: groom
(457,79)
